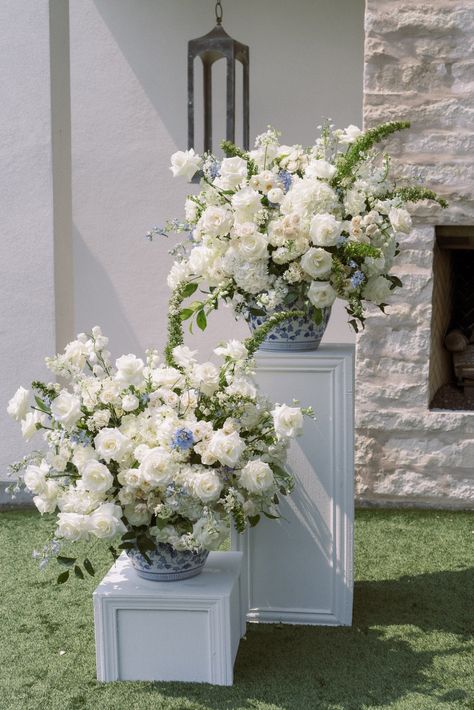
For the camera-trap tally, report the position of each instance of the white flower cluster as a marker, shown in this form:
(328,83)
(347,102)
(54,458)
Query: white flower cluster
(279,224)
(145,446)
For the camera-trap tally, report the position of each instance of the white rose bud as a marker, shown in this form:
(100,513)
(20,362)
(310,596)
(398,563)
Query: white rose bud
(288,421)
(66,409)
(325,230)
(19,404)
(256,476)
(321,294)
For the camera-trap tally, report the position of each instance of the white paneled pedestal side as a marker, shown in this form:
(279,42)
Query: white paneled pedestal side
(187,631)
(299,569)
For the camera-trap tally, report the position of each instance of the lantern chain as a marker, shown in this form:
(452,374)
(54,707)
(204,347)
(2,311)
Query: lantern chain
(219,12)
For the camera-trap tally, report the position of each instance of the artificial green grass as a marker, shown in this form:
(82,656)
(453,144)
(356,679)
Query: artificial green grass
(411,646)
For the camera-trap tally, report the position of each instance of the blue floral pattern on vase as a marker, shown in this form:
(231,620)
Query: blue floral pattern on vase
(167,564)
(294,334)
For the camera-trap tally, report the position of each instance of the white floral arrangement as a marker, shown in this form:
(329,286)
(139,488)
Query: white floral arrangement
(285,226)
(150,451)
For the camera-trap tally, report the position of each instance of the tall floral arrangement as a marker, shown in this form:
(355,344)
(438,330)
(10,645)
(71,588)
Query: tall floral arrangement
(284,225)
(144,451)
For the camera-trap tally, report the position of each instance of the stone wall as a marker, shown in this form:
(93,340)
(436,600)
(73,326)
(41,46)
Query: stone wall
(419,66)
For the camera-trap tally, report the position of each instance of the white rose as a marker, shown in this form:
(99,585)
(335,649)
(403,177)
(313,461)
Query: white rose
(215,221)
(234,349)
(101,418)
(325,230)
(256,476)
(19,404)
(247,202)
(377,289)
(105,522)
(185,163)
(184,356)
(233,171)
(288,421)
(275,195)
(29,424)
(110,392)
(111,444)
(66,409)
(76,353)
(242,386)
(321,294)
(200,259)
(47,501)
(317,262)
(164,534)
(129,403)
(226,448)
(129,370)
(137,514)
(350,134)
(72,526)
(167,377)
(206,378)
(35,477)
(252,246)
(320,169)
(210,534)
(96,477)
(400,220)
(83,454)
(157,467)
(207,486)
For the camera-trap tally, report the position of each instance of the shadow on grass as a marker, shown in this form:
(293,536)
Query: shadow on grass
(374,663)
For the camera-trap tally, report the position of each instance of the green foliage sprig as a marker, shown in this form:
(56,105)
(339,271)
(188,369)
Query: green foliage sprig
(348,161)
(416,194)
(253,342)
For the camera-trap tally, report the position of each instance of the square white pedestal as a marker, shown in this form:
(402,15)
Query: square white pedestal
(187,631)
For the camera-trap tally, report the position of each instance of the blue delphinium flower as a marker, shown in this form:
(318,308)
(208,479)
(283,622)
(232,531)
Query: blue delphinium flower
(285,178)
(183,439)
(357,278)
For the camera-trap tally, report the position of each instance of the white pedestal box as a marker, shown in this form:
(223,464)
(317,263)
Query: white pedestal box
(188,630)
(299,569)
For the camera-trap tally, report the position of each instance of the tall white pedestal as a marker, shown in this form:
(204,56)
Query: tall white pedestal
(187,631)
(299,569)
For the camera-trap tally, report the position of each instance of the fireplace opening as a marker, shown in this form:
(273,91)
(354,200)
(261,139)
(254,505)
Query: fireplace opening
(451,377)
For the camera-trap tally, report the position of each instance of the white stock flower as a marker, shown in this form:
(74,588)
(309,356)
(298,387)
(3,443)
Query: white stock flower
(76,353)
(111,444)
(185,163)
(207,486)
(66,409)
(96,477)
(129,370)
(325,230)
(252,277)
(179,272)
(233,172)
(316,262)
(377,289)
(105,522)
(226,448)
(320,169)
(190,211)
(256,476)
(72,526)
(288,421)
(400,220)
(321,294)
(19,404)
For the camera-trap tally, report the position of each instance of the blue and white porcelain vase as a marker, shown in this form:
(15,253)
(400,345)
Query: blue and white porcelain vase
(295,334)
(167,564)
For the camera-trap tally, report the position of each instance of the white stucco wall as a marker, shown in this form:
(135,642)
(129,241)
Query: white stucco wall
(128,91)
(27,330)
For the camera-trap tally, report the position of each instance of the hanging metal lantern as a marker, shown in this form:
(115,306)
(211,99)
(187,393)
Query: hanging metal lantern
(217,44)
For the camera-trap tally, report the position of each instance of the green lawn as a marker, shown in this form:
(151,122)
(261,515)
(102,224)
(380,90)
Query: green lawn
(411,645)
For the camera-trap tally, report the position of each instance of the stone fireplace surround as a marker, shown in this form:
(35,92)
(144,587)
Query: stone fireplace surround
(419,66)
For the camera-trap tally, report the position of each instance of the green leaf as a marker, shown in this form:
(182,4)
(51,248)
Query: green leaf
(254,520)
(129,536)
(186,313)
(113,552)
(270,516)
(88,567)
(353,323)
(41,405)
(127,545)
(201,320)
(256,311)
(396,281)
(318,316)
(189,289)
(63,577)
(66,561)
(144,543)
(78,572)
